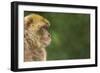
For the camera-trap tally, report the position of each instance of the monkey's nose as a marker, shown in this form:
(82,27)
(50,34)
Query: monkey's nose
(49,35)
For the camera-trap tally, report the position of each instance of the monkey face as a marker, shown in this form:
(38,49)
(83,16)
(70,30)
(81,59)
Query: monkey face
(45,37)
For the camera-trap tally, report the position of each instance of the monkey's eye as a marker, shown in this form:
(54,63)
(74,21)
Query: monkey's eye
(45,27)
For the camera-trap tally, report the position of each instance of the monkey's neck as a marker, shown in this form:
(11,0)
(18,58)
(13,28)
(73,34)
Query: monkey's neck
(39,54)
(35,55)
(32,53)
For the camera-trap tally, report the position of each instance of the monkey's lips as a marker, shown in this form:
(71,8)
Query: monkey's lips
(46,41)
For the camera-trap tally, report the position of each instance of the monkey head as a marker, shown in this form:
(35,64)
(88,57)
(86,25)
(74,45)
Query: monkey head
(36,31)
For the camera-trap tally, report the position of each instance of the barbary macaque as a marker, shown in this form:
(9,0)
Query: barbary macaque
(36,37)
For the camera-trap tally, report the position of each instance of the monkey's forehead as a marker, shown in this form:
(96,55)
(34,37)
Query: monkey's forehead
(35,18)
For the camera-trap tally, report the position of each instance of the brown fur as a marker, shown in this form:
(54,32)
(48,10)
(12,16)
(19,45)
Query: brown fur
(36,37)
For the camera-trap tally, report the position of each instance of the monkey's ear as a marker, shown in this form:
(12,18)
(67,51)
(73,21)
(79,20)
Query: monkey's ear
(27,21)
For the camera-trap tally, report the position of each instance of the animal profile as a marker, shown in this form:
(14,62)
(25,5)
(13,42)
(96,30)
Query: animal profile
(36,37)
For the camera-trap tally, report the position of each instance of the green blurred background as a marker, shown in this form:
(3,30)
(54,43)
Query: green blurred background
(70,33)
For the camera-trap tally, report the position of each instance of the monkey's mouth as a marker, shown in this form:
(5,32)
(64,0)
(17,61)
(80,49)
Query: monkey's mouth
(46,41)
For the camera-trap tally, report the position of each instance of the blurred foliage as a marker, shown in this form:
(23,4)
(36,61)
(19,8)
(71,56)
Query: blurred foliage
(70,33)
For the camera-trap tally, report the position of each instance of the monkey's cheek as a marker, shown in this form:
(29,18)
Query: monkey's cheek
(47,42)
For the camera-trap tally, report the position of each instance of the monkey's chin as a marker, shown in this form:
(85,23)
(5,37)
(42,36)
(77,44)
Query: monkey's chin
(46,43)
